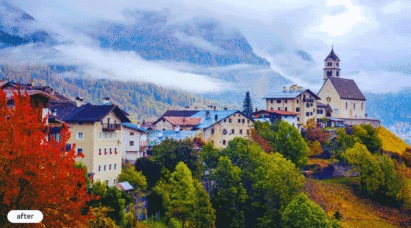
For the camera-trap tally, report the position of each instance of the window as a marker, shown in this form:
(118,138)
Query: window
(298,101)
(271,101)
(107,182)
(241,131)
(329,73)
(111,152)
(79,150)
(298,118)
(279,108)
(285,101)
(105,151)
(99,151)
(224,132)
(362,106)
(115,135)
(80,135)
(297,109)
(285,116)
(285,108)
(105,168)
(337,64)
(312,104)
(109,167)
(99,168)
(111,135)
(307,105)
(232,131)
(131,143)
(115,150)
(278,101)
(313,109)
(248,132)
(224,142)
(164,120)
(131,133)
(229,120)
(318,111)
(225,120)
(346,105)
(338,73)
(212,131)
(239,120)
(115,181)
(100,135)
(115,166)
(311,113)
(243,120)
(354,106)
(307,114)
(80,123)
(105,135)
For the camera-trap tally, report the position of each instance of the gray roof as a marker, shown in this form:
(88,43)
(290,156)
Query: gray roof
(94,113)
(288,94)
(125,186)
(133,126)
(347,88)
(221,115)
(332,55)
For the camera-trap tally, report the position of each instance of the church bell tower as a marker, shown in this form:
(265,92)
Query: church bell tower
(331,65)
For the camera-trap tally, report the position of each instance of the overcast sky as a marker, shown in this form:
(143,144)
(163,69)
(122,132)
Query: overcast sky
(371,38)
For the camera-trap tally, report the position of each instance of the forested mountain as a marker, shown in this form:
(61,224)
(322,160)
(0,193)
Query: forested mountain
(143,101)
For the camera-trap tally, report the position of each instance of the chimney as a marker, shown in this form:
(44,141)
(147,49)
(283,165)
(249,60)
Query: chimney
(160,134)
(214,108)
(216,117)
(177,129)
(299,88)
(225,108)
(106,100)
(79,101)
(284,89)
(207,114)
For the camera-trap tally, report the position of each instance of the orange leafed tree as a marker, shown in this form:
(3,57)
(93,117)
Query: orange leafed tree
(36,174)
(264,143)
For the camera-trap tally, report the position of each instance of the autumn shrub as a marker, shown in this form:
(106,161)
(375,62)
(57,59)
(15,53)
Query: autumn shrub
(37,174)
(315,148)
(406,157)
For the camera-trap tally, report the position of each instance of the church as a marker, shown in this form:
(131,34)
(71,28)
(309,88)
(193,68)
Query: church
(345,99)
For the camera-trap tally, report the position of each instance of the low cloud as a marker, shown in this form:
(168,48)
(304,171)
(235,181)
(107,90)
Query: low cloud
(379,82)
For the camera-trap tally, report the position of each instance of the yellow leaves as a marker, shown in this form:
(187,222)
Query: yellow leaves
(391,142)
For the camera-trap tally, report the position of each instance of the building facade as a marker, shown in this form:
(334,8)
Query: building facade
(133,141)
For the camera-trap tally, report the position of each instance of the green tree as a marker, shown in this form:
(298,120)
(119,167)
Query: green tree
(281,183)
(392,183)
(135,178)
(229,195)
(84,168)
(247,104)
(204,214)
(170,152)
(291,145)
(111,197)
(345,141)
(302,212)
(149,169)
(100,218)
(368,136)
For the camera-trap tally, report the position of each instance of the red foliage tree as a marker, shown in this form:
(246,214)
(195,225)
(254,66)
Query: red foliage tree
(314,133)
(36,174)
(264,143)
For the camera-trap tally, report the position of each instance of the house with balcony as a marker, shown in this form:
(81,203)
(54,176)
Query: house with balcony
(296,100)
(275,115)
(96,131)
(133,141)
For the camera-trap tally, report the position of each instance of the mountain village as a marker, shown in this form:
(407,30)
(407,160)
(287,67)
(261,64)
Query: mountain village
(109,140)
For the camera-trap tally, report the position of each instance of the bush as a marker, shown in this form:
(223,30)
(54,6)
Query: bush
(302,212)
(315,148)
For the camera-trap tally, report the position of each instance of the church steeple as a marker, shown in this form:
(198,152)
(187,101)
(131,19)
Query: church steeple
(331,65)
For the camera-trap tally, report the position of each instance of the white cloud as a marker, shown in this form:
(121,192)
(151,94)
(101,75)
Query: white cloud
(395,7)
(199,42)
(381,81)
(338,25)
(129,66)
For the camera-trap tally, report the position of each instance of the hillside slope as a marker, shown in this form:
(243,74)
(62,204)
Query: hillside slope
(391,142)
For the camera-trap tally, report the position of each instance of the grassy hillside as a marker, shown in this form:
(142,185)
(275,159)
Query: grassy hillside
(143,101)
(341,194)
(391,142)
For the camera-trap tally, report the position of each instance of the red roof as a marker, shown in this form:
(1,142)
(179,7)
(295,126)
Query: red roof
(280,112)
(183,121)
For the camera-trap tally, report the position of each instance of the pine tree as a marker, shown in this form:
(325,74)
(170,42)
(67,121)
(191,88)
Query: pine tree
(247,104)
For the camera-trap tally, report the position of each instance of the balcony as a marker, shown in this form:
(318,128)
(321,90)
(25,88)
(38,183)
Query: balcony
(308,100)
(111,127)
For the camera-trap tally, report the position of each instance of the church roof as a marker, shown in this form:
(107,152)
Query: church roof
(332,55)
(347,88)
